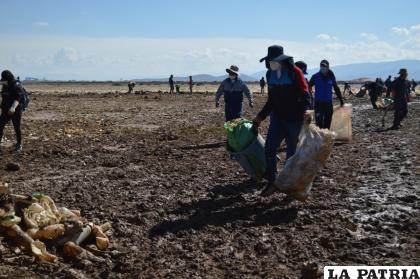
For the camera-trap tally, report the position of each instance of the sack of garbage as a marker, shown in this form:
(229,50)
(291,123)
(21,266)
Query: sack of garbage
(246,147)
(341,122)
(239,133)
(314,148)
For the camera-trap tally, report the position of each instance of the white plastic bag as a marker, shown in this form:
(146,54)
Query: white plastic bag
(314,148)
(341,122)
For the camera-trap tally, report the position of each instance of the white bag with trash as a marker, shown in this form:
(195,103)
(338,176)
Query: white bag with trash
(341,123)
(314,148)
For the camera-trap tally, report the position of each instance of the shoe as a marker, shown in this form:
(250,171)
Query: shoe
(18,148)
(268,190)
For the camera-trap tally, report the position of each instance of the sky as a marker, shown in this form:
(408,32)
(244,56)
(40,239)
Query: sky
(127,39)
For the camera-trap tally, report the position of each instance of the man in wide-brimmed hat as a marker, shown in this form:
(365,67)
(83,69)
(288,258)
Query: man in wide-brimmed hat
(399,89)
(288,99)
(324,82)
(233,89)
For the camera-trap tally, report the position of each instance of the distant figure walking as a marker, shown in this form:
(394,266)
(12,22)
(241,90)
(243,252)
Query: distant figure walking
(388,82)
(12,107)
(190,84)
(171,84)
(233,89)
(131,86)
(399,90)
(347,88)
(262,85)
(375,91)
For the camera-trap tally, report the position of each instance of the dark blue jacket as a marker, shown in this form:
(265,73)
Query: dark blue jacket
(10,94)
(233,92)
(288,95)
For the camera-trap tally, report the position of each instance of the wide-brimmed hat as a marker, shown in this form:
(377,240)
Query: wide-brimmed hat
(402,71)
(233,70)
(302,65)
(275,53)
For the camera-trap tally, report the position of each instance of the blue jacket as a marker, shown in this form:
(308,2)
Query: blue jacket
(324,87)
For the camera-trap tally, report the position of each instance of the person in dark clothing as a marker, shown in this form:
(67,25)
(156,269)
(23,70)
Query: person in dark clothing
(171,84)
(12,96)
(131,86)
(262,85)
(388,81)
(303,67)
(413,85)
(288,99)
(233,89)
(347,88)
(375,91)
(324,82)
(190,84)
(399,90)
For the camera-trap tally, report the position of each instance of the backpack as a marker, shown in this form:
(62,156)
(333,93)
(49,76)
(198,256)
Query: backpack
(25,97)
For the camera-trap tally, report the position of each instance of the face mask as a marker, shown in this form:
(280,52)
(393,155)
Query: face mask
(324,70)
(232,77)
(275,66)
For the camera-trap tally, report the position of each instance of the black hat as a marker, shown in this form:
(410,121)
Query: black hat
(302,65)
(324,63)
(7,75)
(233,70)
(275,53)
(403,71)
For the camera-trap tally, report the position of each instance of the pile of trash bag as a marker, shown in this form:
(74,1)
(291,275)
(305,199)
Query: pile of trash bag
(32,220)
(246,147)
(314,148)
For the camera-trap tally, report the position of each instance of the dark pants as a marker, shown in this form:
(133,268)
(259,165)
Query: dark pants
(323,114)
(373,100)
(262,90)
(233,111)
(16,119)
(277,132)
(400,112)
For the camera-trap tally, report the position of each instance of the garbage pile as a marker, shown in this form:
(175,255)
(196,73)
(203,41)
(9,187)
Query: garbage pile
(33,221)
(314,148)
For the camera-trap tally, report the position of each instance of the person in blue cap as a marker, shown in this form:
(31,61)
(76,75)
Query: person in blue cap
(324,82)
(233,89)
(288,99)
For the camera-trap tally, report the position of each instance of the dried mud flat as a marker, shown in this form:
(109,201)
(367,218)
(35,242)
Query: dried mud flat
(155,166)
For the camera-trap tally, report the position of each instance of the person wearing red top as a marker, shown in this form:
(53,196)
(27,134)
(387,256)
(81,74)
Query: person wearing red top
(288,99)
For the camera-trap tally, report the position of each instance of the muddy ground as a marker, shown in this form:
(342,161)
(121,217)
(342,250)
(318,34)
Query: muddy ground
(155,166)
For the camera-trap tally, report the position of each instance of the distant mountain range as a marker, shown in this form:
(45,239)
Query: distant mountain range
(368,70)
(197,78)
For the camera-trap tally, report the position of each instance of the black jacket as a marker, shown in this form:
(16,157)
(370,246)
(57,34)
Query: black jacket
(11,93)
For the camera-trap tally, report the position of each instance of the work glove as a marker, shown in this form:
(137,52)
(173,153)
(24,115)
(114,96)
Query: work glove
(13,107)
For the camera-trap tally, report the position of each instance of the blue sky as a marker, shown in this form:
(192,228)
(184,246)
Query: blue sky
(129,39)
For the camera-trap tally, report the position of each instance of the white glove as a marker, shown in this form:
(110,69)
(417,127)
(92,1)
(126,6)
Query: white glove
(13,107)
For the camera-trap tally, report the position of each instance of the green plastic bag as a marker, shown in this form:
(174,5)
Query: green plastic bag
(239,133)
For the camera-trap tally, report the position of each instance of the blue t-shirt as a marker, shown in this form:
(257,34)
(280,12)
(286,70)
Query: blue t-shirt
(323,86)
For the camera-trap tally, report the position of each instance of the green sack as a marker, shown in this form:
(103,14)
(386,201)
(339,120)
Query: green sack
(240,134)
